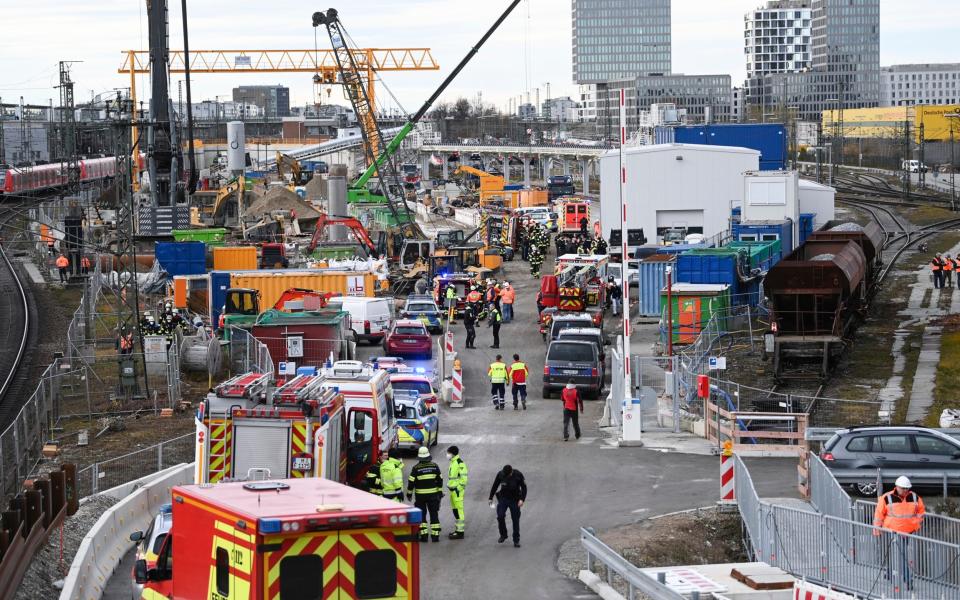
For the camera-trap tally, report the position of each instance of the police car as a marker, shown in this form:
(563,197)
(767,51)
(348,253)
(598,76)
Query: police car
(150,542)
(424,309)
(406,380)
(418,425)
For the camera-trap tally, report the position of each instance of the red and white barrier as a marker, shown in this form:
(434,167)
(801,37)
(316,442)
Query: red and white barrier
(449,343)
(808,591)
(456,397)
(727,495)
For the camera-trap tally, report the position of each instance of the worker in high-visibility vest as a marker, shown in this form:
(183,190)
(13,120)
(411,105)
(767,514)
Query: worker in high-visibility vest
(425,486)
(451,301)
(391,476)
(63,263)
(936,267)
(372,481)
(498,382)
(948,272)
(900,510)
(457,484)
(85,265)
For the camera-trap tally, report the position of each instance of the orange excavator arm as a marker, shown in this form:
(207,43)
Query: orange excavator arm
(359,231)
(312,299)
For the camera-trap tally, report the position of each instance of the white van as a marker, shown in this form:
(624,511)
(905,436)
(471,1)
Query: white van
(913,166)
(370,318)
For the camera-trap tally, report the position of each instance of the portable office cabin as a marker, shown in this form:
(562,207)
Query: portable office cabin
(694,304)
(770,139)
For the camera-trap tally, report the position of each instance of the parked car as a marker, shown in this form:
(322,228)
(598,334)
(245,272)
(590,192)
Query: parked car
(587,334)
(417,424)
(149,542)
(566,320)
(369,317)
(921,454)
(408,338)
(633,272)
(423,308)
(574,360)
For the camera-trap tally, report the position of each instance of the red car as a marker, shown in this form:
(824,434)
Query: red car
(408,337)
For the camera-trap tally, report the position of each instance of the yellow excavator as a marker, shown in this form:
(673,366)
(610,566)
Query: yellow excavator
(286,163)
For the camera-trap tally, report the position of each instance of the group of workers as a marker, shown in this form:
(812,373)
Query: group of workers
(942,268)
(63,265)
(165,324)
(580,244)
(425,487)
(533,239)
(491,300)
(516,374)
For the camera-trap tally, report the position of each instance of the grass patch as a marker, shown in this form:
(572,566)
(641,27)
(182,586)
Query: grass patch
(946,392)
(924,215)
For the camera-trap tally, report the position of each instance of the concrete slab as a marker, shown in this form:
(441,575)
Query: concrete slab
(33,272)
(924,381)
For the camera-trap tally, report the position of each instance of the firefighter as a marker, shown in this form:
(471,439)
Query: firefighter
(62,264)
(457,484)
(900,510)
(425,486)
(498,382)
(391,476)
(469,323)
(371,481)
(451,296)
(536,259)
(496,318)
(518,378)
(599,245)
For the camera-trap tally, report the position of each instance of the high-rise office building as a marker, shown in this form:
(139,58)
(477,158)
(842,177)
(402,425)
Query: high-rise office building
(273,99)
(777,37)
(703,97)
(905,85)
(617,39)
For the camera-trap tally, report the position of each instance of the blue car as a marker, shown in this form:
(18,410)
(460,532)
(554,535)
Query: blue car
(423,309)
(418,425)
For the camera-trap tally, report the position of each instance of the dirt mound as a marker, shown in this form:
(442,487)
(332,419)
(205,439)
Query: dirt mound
(316,189)
(280,198)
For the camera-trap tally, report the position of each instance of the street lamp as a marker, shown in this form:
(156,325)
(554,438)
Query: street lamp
(953,162)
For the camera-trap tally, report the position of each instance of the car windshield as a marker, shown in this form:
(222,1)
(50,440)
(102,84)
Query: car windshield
(569,352)
(422,307)
(409,330)
(419,386)
(406,411)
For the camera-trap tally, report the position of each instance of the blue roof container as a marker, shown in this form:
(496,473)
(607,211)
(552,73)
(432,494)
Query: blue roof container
(719,266)
(770,139)
(182,258)
(652,278)
(758,231)
(806,226)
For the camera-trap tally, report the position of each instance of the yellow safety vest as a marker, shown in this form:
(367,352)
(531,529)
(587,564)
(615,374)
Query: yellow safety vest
(497,372)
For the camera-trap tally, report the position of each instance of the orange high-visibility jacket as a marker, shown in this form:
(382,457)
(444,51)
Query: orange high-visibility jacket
(935,264)
(903,514)
(63,262)
(947,264)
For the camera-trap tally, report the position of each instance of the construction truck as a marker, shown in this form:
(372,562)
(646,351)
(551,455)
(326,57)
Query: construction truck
(577,285)
(285,538)
(212,205)
(242,305)
(247,429)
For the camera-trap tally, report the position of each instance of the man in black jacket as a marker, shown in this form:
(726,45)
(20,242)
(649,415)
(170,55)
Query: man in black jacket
(469,323)
(511,491)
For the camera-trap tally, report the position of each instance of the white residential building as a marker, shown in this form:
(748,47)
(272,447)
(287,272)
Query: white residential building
(905,85)
(587,107)
(777,37)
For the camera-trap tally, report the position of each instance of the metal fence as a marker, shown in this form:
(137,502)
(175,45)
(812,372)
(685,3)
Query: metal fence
(653,382)
(116,471)
(618,571)
(842,553)
(247,354)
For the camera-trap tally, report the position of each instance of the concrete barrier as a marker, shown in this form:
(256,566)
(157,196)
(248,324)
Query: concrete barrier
(104,546)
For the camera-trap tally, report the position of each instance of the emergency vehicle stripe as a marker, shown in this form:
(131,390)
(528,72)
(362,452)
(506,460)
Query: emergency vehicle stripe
(298,443)
(324,545)
(353,543)
(230,529)
(220,449)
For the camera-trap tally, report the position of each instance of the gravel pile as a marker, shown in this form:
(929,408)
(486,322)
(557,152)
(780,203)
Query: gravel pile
(46,568)
(316,189)
(280,198)
(824,257)
(847,227)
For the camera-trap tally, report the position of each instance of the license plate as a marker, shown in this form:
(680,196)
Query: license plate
(409,341)
(302,463)
(571,372)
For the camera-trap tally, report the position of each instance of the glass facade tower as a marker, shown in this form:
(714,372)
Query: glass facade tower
(617,39)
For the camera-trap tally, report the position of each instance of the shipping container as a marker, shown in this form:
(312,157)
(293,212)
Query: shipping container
(214,236)
(235,258)
(306,339)
(763,255)
(271,283)
(182,258)
(653,277)
(806,226)
(762,231)
(770,139)
(726,265)
(693,305)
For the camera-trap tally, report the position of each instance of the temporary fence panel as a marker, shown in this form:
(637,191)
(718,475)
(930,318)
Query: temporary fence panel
(654,385)
(116,471)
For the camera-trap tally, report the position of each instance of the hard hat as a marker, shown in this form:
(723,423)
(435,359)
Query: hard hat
(423,452)
(904,482)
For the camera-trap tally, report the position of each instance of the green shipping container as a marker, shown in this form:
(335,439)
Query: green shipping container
(212,237)
(694,304)
(335,252)
(762,254)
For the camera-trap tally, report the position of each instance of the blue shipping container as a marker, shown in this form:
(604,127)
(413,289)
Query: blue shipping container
(770,139)
(653,278)
(758,231)
(806,227)
(717,266)
(182,258)
(219,284)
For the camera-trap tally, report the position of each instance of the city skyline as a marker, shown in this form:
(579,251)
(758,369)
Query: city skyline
(532,48)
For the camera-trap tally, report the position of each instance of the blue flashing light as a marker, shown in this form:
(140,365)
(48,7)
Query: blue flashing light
(166,508)
(269,525)
(420,370)
(414,517)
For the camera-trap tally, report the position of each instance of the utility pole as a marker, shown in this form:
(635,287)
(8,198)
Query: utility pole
(920,170)
(25,151)
(906,158)
(953,162)
(68,129)
(3,157)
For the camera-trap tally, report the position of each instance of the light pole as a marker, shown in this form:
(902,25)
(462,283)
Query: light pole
(953,162)
(669,271)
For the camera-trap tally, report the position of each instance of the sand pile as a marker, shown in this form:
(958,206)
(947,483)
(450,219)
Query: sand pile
(280,198)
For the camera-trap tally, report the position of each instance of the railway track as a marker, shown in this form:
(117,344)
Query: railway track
(17,330)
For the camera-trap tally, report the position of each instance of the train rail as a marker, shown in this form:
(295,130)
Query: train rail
(16,306)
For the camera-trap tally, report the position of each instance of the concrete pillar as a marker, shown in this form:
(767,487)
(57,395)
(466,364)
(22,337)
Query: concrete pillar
(566,166)
(506,169)
(446,169)
(337,200)
(425,170)
(526,171)
(585,168)
(543,167)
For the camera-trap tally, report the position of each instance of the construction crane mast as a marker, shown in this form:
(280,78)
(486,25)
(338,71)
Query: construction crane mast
(163,148)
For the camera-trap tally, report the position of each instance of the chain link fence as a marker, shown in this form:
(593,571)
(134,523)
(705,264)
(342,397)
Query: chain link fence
(116,471)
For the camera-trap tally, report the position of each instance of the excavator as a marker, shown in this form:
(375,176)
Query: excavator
(286,163)
(242,305)
(381,157)
(354,225)
(213,210)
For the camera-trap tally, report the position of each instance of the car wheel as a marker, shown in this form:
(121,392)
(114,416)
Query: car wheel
(866,489)
(546,393)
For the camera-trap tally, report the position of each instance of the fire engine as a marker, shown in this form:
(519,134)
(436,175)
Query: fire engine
(578,285)
(285,538)
(572,211)
(247,429)
(371,420)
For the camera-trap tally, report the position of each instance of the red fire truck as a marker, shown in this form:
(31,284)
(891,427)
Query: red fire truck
(578,285)
(285,538)
(246,430)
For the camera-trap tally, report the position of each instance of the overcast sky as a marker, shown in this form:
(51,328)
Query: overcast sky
(531,48)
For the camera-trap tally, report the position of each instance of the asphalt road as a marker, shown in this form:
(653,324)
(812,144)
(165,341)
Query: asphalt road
(585,483)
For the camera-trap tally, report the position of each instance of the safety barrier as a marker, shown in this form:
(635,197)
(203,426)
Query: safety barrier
(104,546)
(844,554)
(635,579)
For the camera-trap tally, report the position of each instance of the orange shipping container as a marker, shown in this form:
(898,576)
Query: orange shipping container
(271,284)
(235,258)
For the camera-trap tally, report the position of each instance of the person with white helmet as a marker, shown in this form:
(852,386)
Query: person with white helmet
(900,510)
(425,486)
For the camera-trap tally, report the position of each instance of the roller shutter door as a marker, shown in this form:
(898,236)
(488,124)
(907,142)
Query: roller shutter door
(261,445)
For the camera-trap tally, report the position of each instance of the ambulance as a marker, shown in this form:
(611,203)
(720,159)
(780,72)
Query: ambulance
(248,429)
(370,416)
(285,538)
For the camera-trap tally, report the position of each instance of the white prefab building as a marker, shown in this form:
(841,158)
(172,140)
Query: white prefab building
(818,199)
(771,196)
(684,186)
